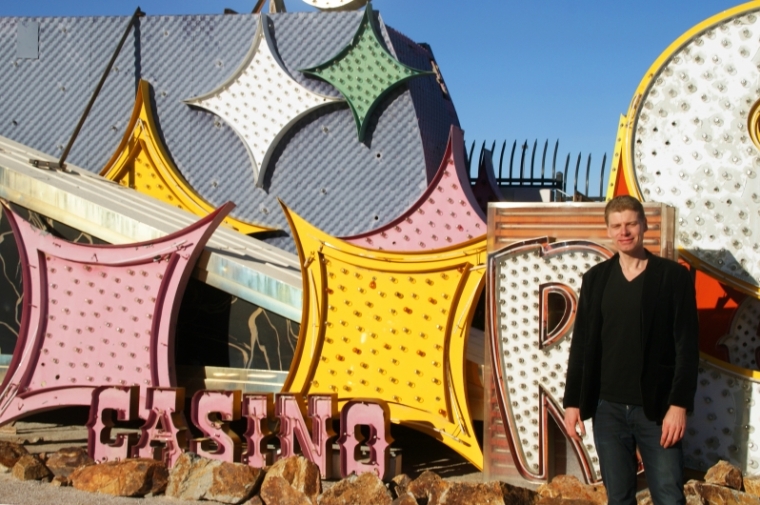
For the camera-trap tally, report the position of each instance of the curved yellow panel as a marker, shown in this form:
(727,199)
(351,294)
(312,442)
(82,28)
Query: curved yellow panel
(725,365)
(391,326)
(614,186)
(141,162)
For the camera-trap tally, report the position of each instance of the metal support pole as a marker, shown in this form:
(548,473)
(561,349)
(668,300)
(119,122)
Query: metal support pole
(257,8)
(61,163)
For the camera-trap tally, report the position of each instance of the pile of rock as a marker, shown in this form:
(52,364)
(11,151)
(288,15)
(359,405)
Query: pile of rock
(290,481)
(723,484)
(56,468)
(431,489)
(568,490)
(296,481)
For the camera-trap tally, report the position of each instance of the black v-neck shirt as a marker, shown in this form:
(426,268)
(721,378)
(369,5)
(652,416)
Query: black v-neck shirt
(622,354)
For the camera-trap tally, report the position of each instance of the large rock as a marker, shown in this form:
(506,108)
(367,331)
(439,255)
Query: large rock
(405,499)
(276,490)
(752,485)
(725,474)
(517,495)
(428,486)
(463,493)
(10,453)
(561,501)
(703,493)
(300,473)
(644,497)
(366,489)
(60,481)
(568,487)
(399,483)
(131,477)
(65,461)
(29,467)
(693,499)
(233,482)
(197,478)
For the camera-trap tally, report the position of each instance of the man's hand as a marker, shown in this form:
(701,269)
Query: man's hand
(573,418)
(673,426)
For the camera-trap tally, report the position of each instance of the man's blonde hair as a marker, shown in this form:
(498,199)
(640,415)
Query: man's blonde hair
(622,203)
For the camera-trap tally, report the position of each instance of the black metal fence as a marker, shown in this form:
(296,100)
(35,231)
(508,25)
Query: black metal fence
(571,182)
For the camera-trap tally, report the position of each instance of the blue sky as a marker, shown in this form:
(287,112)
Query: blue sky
(563,69)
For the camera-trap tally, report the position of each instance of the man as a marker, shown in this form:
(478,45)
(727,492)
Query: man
(633,361)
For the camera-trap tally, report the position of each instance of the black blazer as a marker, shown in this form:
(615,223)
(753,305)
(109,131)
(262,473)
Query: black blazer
(669,336)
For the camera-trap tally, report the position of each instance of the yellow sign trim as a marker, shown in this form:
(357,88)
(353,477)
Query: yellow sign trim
(142,162)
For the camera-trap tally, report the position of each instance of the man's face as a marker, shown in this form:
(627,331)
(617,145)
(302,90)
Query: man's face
(626,231)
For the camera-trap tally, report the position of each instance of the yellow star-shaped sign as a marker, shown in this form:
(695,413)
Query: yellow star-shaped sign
(141,162)
(390,326)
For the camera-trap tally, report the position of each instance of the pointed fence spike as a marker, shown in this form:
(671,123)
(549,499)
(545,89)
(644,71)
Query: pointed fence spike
(543,159)
(522,160)
(512,158)
(588,172)
(501,161)
(554,159)
(482,156)
(559,178)
(469,160)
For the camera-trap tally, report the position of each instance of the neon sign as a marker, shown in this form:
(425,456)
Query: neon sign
(164,433)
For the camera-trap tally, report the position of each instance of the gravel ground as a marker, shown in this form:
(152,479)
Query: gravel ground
(15,492)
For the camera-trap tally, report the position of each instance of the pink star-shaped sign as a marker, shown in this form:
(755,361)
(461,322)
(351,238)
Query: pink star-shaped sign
(443,216)
(97,315)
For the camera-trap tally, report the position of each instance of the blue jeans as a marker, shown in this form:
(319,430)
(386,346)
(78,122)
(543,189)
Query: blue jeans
(618,430)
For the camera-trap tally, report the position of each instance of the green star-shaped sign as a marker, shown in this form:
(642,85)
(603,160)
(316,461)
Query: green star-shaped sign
(364,71)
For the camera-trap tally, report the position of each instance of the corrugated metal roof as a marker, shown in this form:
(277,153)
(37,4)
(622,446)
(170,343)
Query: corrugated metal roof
(319,168)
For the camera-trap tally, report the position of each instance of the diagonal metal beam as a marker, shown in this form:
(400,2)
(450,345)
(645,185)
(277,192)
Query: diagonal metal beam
(232,262)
